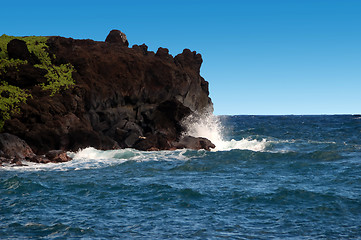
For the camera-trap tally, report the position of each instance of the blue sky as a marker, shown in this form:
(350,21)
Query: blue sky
(263,57)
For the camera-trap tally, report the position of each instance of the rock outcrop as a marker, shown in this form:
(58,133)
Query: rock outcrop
(15,147)
(123,97)
(13,151)
(116,36)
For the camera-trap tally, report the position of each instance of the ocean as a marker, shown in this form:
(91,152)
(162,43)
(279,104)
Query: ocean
(270,177)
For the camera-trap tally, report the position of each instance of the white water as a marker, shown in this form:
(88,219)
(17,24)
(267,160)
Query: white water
(209,126)
(91,158)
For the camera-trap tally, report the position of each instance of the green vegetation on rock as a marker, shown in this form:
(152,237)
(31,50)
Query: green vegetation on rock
(10,63)
(10,98)
(58,77)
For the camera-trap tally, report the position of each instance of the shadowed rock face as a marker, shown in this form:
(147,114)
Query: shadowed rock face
(124,97)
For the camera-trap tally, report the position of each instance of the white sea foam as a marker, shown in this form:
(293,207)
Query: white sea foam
(206,125)
(209,126)
(91,158)
(95,154)
(244,144)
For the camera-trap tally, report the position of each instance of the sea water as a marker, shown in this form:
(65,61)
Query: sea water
(283,177)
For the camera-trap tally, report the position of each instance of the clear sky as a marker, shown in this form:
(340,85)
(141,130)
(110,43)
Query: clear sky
(259,56)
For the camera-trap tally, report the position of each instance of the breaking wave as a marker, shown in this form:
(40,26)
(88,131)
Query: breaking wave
(209,126)
(91,158)
(206,125)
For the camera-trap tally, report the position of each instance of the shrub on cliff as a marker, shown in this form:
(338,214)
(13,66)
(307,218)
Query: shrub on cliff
(10,98)
(58,77)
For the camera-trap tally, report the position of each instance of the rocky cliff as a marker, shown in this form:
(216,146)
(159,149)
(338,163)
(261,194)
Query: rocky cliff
(120,97)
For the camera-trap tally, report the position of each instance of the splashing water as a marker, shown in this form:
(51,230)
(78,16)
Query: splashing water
(209,126)
(127,194)
(206,125)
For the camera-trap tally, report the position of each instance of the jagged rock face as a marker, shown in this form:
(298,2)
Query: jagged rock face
(124,97)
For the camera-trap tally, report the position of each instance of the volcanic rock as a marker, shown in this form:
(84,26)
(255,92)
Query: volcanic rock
(196,143)
(116,36)
(17,162)
(57,156)
(39,159)
(17,49)
(13,147)
(123,97)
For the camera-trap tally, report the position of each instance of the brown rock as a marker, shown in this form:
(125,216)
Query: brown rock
(116,36)
(39,159)
(121,94)
(4,160)
(195,143)
(17,49)
(153,142)
(164,54)
(57,156)
(17,162)
(14,147)
(142,49)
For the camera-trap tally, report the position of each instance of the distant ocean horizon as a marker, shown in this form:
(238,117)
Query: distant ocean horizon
(270,176)
(277,115)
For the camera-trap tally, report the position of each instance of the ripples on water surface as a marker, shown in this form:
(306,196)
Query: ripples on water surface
(281,177)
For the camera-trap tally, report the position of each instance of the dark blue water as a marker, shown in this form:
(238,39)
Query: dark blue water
(287,177)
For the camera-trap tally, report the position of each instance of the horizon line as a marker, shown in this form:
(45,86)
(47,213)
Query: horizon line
(317,114)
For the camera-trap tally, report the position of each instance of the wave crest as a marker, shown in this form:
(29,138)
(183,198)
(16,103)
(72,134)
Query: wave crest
(95,154)
(209,126)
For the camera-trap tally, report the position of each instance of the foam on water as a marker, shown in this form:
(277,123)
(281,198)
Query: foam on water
(90,158)
(209,126)
(191,194)
(244,144)
(95,154)
(205,125)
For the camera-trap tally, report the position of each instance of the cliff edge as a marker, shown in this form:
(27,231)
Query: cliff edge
(105,95)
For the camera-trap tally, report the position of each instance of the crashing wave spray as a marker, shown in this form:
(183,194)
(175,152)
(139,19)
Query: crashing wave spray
(209,126)
(204,125)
